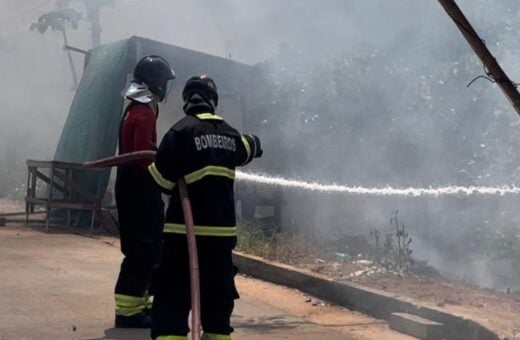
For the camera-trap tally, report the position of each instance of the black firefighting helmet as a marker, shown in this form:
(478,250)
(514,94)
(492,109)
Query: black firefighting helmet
(155,72)
(201,85)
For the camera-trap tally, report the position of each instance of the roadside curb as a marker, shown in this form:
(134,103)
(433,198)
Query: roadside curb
(368,301)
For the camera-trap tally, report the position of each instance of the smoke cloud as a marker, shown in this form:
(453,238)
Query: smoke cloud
(363,93)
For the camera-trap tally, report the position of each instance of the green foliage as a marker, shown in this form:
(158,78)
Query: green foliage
(101,3)
(57,20)
(64,15)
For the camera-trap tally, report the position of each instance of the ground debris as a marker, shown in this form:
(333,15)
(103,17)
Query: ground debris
(383,261)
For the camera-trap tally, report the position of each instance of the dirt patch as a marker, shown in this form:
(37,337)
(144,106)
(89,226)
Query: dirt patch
(499,311)
(294,302)
(354,260)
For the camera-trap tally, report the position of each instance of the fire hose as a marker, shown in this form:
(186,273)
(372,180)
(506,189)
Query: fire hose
(190,232)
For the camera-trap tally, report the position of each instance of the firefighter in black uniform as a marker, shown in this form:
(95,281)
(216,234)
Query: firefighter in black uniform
(139,203)
(205,150)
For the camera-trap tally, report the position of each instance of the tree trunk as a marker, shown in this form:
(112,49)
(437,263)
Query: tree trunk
(492,67)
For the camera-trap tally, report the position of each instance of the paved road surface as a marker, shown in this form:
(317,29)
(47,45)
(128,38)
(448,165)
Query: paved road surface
(59,286)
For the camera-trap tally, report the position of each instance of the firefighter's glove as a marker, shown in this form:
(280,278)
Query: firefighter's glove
(257,147)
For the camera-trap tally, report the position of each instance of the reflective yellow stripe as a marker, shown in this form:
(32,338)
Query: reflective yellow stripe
(127,311)
(200,230)
(209,170)
(135,300)
(171,337)
(214,336)
(246,145)
(205,116)
(127,305)
(163,182)
(195,176)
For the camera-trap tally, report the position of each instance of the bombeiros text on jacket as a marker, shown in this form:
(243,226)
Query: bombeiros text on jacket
(214,141)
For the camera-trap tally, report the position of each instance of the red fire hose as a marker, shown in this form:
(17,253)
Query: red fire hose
(190,232)
(194,260)
(121,159)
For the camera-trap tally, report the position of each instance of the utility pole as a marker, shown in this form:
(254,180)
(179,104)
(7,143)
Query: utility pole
(493,69)
(69,56)
(93,8)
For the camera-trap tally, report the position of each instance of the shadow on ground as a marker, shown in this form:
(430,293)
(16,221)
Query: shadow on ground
(124,334)
(267,325)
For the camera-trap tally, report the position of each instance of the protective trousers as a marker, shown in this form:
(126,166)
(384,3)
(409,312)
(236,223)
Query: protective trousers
(172,303)
(141,213)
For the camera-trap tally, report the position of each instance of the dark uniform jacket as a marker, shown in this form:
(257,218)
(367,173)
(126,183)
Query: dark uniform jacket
(205,150)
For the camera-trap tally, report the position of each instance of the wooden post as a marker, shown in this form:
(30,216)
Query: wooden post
(28,194)
(49,198)
(68,194)
(477,44)
(33,187)
(71,62)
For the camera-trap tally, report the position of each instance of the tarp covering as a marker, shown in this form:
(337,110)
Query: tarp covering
(91,129)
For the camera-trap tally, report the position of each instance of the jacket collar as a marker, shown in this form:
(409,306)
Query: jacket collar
(208,116)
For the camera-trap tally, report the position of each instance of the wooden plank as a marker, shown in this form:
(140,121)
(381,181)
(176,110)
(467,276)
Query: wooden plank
(76,187)
(35,200)
(74,206)
(62,204)
(56,164)
(49,200)
(14,213)
(60,165)
(27,194)
(60,179)
(23,221)
(47,180)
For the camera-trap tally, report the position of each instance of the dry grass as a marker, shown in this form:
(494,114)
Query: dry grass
(281,247)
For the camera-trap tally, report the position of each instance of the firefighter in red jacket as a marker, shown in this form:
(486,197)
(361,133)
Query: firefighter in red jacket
(139,203)
(205,150)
